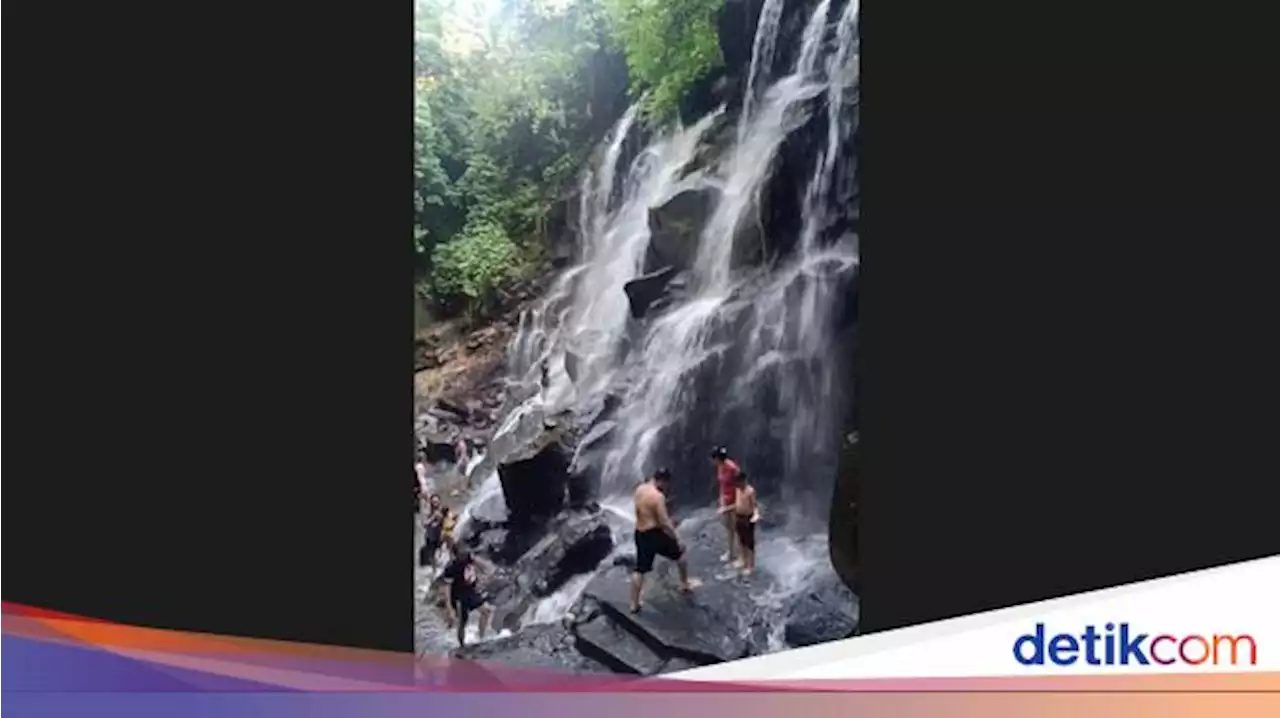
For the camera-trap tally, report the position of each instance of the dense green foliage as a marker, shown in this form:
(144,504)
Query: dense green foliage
(470,265)
(669,44)
(504,119)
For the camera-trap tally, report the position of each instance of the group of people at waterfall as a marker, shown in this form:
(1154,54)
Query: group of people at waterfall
(463,595)
(656,533)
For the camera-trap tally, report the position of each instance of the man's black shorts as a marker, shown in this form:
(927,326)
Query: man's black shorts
(746,532)
(468,601)
(651,543)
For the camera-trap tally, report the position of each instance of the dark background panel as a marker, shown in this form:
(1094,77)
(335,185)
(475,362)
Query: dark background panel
(210,348)
(1067,311)
(1067,259)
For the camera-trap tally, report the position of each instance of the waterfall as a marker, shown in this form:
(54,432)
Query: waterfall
(748,351)
(681,342)
(762,47)
(789,336)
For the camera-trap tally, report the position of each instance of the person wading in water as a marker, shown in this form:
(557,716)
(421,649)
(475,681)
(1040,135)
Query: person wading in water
(655,534)
(464,595)
(726,484)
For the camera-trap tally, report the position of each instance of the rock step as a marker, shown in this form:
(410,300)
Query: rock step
(635,624)
(605,641)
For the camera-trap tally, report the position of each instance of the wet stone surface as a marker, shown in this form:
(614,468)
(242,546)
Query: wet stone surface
(794,599)
(549,647)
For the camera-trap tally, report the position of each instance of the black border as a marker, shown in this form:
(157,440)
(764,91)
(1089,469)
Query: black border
(214,334)
(1064,278)
(1069,378)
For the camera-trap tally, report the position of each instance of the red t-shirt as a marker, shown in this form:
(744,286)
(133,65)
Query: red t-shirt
(726,473)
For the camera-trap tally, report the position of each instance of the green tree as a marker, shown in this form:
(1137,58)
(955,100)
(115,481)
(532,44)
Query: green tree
(669,45)
(503,120)
(471,268)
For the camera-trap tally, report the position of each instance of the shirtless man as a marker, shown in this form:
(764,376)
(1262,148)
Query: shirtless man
(726,476)
(745,512)
(655,534)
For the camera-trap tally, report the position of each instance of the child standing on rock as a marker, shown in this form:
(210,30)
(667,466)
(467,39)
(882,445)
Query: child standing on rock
(746,513)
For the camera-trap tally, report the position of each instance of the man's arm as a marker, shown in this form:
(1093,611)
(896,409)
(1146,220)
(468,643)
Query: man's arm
(664,519)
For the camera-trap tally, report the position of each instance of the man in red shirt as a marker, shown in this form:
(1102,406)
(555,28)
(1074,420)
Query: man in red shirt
(726,483)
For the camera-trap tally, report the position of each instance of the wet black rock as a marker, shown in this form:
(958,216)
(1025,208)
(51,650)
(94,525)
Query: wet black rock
(584,484)
(587,466)
(488,540)
(692,627)
(708,626)
(438,446)
(610,643)
(828,611)
(646,289)
(535,476)
(575,543)
(674,228)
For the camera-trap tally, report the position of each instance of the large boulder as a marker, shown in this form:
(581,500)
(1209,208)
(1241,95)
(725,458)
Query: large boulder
(607,641)
(438,446)
(610,639)
(535,476)
(674,228)
(827,611)
(646,289)
(575,543)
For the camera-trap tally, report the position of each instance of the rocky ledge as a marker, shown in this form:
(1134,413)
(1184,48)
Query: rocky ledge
(795,599)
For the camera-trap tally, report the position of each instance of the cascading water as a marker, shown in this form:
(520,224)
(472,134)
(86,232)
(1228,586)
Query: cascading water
(761,59)
(683,340)
(744,342)
(790,339)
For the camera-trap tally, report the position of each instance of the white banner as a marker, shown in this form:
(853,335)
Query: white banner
(1220,620)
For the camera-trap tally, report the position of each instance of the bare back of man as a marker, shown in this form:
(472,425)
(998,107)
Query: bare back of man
(647,497)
